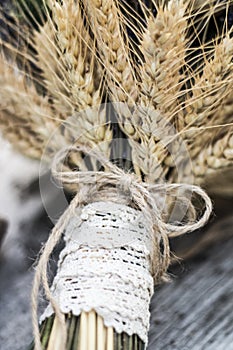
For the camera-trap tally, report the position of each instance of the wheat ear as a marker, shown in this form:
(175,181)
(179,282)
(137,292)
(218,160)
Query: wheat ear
(212,87)
(69,76)
(163,48)
(25,116)
(75,85)
(116,59)
(214,158)
(115,55)
(211,94)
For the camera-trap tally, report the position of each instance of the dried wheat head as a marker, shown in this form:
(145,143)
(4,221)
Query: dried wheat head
(165,65)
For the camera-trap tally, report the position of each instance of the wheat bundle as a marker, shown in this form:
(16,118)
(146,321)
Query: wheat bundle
(131,105)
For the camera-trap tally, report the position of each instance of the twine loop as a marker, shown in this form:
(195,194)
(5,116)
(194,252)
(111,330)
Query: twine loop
(126,181)
(145,197)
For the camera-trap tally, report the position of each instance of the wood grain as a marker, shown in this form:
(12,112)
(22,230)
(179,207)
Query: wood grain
(195,311)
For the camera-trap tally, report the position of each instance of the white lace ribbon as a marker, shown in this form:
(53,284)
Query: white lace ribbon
(105,266)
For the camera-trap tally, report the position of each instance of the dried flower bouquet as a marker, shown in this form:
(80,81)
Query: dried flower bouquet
(130,103)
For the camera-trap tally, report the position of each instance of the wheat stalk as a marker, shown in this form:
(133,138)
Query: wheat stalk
(163,50)
(115,56)
(124,85)
(57,60)
(203,101)
(161,85)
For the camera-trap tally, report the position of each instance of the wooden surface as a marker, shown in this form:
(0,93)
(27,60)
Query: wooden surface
(192,312)
(195,311)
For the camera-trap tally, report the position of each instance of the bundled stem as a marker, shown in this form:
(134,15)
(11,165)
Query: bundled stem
(77,327)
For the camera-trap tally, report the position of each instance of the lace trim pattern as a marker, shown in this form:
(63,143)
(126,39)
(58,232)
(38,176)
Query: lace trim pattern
(105,266)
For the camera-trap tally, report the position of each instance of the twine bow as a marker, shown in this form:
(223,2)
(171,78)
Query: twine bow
(143,195)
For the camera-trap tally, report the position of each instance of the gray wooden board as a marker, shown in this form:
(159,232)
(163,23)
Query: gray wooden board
(195,311)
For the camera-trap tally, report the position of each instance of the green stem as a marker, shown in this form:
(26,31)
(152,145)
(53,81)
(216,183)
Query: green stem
(121,341)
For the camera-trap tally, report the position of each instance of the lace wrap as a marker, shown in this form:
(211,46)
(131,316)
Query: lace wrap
(106,266)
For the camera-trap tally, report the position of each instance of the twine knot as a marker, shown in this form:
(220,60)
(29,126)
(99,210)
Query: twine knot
(146,197)
(126,181)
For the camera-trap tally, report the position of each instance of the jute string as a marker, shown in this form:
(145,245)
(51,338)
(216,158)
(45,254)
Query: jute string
(143,195)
